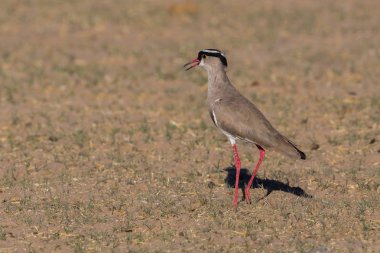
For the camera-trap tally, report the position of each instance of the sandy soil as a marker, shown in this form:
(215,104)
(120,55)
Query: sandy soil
(106,144)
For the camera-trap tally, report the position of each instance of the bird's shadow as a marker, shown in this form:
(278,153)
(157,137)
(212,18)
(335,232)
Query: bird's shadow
(268,184)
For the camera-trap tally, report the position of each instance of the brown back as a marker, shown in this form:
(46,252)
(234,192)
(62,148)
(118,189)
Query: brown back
(237,116)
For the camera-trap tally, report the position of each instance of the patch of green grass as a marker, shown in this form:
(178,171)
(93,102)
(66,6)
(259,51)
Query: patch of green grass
(80,138)
(3,234)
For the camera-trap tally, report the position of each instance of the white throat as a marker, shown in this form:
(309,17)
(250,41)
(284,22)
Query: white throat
(207,68)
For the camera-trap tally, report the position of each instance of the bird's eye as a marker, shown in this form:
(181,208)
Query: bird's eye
(204,56)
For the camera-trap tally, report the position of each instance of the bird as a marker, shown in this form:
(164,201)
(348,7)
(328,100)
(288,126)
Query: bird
(238,118)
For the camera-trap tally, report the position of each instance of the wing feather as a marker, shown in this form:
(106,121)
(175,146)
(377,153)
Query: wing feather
(242,119)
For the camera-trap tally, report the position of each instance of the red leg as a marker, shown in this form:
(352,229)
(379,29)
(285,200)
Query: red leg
(237,165)
(262,155)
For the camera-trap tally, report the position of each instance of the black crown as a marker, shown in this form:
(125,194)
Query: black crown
(213,53)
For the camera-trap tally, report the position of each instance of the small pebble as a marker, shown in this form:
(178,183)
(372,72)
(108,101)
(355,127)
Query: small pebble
(53,138)
(211,184)
(255,83)
(314,146)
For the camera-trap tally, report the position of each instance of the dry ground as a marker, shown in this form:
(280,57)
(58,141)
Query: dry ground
(106,144)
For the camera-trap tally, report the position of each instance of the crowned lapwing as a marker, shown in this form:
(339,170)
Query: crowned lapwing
(237,117)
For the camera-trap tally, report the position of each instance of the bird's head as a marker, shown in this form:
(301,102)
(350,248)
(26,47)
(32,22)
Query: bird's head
(208,59)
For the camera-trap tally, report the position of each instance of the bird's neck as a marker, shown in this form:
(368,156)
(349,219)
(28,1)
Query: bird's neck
(217,82)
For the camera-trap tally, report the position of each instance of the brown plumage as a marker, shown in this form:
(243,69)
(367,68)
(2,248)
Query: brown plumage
(237,116)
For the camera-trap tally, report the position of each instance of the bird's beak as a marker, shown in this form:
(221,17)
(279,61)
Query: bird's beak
(192,64)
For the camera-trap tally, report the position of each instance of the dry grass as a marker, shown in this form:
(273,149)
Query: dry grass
(106,144)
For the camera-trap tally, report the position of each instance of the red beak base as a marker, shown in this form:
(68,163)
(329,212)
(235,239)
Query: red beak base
(192,64)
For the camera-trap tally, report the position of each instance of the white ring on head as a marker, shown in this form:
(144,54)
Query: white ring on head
(212,51)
